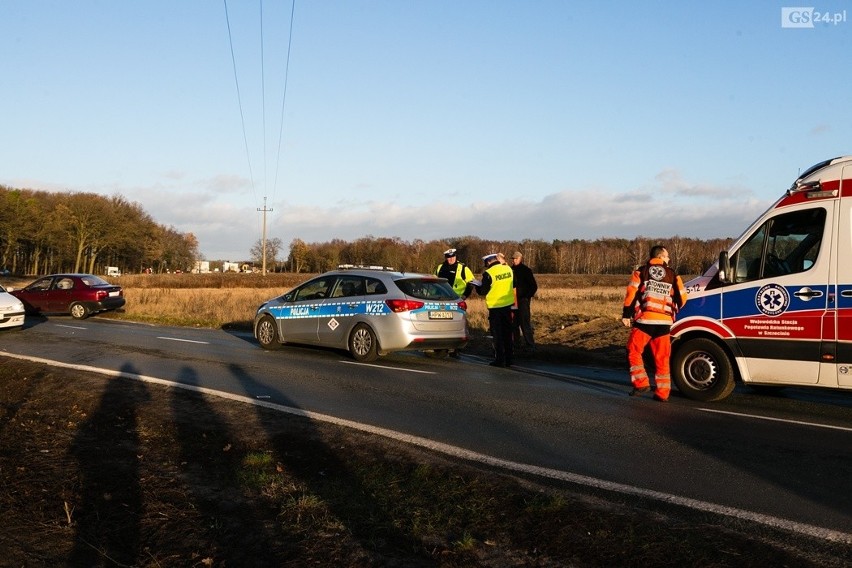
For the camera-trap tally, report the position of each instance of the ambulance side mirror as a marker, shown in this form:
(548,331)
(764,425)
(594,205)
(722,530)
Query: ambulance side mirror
(724,268)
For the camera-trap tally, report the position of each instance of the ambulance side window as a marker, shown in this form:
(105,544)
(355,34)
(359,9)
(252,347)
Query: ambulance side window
(786,244)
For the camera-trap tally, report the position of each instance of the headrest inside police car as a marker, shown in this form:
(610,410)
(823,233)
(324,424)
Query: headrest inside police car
(489,258)
(449,252)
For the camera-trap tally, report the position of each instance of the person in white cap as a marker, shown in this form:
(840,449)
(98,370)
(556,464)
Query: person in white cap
(498,288)
(457,274)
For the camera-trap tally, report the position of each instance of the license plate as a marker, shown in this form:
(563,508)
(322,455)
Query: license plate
(113,294)
(442,315)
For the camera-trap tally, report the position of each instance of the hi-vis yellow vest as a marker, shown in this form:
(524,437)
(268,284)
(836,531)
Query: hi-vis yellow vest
(463,276)
(502,291)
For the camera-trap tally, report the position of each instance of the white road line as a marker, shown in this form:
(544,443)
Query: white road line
(70,326)
(461,453)
(759,417)
(387,367)
(184,340)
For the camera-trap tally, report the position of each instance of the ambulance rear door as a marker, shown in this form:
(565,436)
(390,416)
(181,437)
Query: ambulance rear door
(844,285)
(777,305)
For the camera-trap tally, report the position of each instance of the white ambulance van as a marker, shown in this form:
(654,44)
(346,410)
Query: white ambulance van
(776,309)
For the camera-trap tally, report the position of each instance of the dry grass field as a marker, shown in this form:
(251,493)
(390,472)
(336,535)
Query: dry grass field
(576,318)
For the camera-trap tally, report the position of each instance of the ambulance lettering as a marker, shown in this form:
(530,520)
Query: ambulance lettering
(658,289)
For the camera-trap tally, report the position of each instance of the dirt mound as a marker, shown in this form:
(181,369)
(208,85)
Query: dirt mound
(572,340)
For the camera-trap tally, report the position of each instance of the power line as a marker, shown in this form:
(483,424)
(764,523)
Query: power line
(284,97)
(263,102)
(239,99)
(265,210)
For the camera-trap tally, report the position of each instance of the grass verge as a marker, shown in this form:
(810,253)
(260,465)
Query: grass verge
(112,472)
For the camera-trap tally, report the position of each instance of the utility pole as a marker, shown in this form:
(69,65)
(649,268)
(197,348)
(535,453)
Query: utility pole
(265,211)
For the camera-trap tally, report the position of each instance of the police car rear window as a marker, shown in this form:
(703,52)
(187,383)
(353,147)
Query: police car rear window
(375,286)
(423,289)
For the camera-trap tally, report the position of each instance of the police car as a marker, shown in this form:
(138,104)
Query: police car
(369,311)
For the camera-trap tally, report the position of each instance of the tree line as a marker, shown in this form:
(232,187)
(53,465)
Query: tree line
(45,232)
(577,256)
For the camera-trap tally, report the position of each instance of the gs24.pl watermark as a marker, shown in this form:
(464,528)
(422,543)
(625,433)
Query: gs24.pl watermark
(808,17)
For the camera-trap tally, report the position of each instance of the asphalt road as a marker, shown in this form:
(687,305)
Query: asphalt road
(776,459)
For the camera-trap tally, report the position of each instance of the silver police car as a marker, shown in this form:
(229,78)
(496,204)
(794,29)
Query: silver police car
(369,311)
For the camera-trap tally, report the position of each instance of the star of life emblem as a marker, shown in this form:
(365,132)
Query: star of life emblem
(772,300)
(656,272)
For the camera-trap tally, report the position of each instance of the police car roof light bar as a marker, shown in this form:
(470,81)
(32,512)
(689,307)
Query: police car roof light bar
(364,267)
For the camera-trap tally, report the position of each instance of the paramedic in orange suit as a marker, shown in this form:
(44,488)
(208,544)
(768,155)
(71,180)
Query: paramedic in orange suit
(654,295)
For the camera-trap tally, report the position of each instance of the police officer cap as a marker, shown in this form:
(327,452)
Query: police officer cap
(492,256)
(449,252)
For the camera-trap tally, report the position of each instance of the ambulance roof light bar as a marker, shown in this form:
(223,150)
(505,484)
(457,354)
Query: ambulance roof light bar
(800,186)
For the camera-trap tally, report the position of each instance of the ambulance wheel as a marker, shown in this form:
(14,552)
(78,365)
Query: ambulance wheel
(363,344)
(266,333)
(702,371)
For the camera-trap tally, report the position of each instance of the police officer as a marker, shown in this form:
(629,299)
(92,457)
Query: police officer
(498,288)
(457,274)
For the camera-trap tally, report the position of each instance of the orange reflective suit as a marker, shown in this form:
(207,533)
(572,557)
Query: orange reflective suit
(654,295)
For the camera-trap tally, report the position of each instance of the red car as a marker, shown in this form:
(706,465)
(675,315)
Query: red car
(81,295)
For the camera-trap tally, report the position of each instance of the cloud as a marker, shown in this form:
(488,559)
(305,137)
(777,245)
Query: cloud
(227,222)
(687,211)
(820,129)
(671,181)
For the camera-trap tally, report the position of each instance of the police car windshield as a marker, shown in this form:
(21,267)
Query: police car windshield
(423,289)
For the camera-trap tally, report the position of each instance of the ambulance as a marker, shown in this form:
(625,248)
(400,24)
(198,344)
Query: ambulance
(776,309)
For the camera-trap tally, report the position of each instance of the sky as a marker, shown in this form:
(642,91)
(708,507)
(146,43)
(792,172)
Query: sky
(424,119)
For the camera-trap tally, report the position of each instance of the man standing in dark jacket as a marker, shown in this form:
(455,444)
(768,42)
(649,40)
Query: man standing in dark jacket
(525,289)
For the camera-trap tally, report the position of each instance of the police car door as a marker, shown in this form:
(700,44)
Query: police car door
(778,303)
(299,319)
(345,302)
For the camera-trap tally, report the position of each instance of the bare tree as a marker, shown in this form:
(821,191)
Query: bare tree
(273,250)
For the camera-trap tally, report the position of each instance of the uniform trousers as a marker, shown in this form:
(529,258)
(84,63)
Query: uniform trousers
(522,323)
(500,322)
(659,339)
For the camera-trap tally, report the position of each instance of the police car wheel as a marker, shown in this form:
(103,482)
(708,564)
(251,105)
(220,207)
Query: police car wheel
(702,370)
(363,344)
(79,311)
(266,333)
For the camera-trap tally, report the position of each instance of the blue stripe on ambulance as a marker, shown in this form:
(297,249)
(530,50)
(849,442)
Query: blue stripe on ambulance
(743,303)
(709,306)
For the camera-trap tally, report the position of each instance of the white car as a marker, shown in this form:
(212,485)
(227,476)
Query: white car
(11,310)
